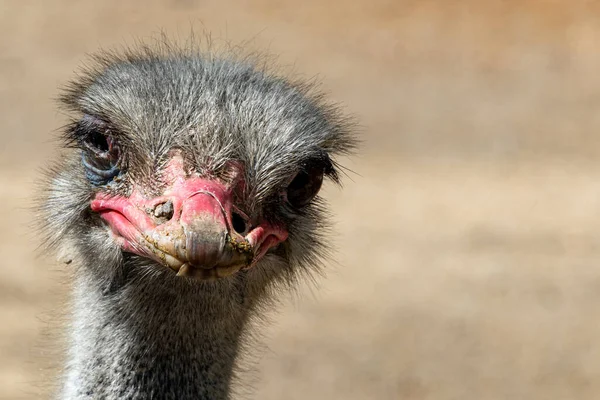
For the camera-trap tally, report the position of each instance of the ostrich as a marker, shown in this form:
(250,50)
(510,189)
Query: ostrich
(186,200)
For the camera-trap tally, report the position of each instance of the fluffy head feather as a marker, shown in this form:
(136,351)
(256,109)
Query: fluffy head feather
(215,109)
(139,331)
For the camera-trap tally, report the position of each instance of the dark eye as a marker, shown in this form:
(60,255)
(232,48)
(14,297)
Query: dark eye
(98,142)
(100,151)
(305,186)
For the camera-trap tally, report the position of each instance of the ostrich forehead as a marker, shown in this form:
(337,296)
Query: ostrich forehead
(215,108)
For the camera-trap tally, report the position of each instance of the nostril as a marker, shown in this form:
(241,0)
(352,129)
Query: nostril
(164,210)
(238,223)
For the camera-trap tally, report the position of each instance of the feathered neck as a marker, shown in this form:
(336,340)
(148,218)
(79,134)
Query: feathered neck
(141,339)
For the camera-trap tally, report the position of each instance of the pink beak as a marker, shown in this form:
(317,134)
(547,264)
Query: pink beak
(194,228)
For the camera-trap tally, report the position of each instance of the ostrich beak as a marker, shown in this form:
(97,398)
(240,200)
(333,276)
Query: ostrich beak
(193,228)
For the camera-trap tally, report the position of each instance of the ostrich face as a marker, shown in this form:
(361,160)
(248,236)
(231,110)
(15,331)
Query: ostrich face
(195,226)
(196,167)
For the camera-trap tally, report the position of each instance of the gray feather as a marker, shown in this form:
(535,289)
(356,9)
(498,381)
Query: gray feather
(138,331)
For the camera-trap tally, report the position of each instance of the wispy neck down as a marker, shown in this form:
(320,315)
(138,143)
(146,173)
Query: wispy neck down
(144,341)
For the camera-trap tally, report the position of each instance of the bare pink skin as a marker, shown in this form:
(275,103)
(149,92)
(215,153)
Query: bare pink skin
(194,237)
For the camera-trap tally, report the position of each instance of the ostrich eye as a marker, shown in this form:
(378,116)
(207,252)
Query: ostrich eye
(305,186)
(98,142)
(100,151)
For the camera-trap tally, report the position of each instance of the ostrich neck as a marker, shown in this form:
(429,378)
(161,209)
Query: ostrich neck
(144,340)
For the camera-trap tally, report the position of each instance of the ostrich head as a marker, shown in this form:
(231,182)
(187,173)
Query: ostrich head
(193,171)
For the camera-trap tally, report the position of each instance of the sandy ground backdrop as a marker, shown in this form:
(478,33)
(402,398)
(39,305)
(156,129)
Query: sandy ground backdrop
(467,247)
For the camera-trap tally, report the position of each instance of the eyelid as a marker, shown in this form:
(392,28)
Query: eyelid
(324,166)
(98,176)
(90,121)
(321,161)
(89,125)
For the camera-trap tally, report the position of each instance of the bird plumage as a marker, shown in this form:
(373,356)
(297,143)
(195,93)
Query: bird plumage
(138,330)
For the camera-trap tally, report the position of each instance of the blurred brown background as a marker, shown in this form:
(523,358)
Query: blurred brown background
(467,253)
